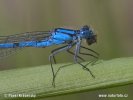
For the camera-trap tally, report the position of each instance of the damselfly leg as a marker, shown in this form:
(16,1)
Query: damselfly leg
(77,51)
(54,52)
(96,56)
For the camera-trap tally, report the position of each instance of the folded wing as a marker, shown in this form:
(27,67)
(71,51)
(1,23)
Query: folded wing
(16,38)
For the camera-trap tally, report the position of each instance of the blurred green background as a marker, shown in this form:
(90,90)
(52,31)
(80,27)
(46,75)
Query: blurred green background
(112,20)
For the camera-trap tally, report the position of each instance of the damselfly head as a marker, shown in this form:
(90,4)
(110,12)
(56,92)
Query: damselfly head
(88,34)
(91,40)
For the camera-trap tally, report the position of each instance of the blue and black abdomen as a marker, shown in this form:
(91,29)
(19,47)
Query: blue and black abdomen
(59,36)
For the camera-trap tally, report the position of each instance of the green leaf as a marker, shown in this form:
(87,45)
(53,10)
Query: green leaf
(69,79)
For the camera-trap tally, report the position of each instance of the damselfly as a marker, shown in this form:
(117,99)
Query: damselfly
(40,39)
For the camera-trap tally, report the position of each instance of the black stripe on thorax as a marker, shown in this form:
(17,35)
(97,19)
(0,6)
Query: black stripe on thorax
(76,32)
